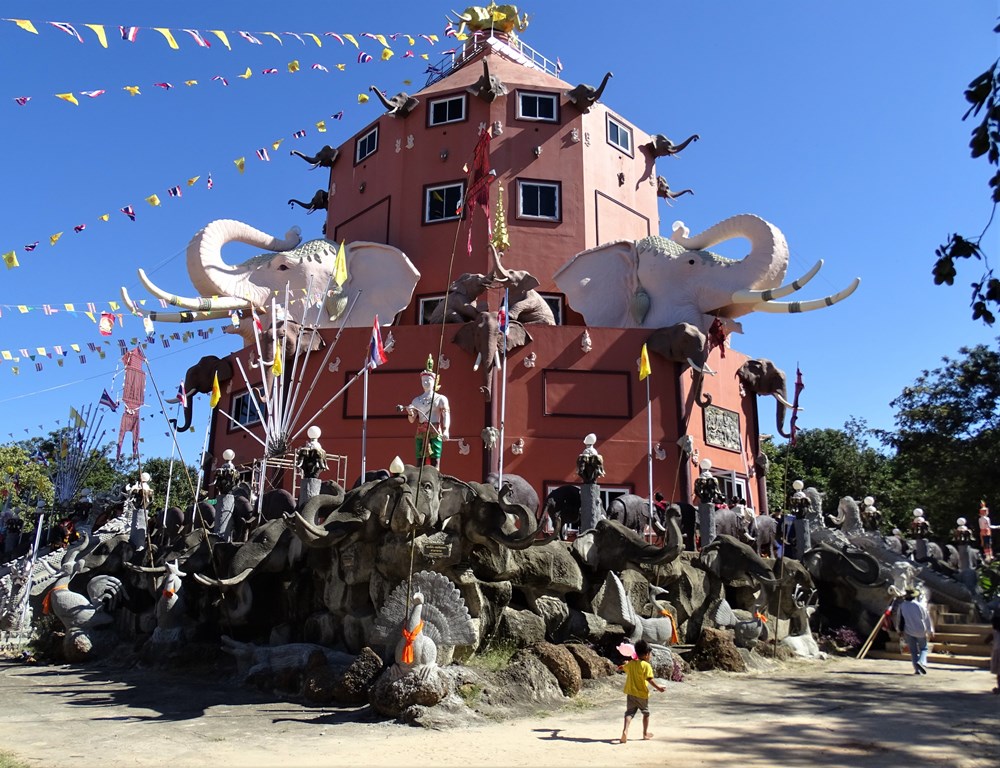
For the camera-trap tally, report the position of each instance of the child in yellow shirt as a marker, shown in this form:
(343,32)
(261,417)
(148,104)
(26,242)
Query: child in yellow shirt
(638,675)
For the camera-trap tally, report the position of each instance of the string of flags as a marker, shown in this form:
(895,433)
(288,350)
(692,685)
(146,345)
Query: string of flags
(37,356)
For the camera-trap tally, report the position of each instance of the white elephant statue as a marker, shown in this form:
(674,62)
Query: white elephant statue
(656,282)
(382,275)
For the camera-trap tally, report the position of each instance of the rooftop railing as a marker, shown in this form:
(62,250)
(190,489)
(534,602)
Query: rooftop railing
(512,47)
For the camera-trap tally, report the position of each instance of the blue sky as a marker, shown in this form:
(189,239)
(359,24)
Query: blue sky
(838,122)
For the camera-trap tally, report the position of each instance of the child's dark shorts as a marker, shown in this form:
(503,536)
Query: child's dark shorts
(635,704)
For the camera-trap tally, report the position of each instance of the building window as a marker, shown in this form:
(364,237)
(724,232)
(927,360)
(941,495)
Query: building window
(366,145)
(538,200)
(619,135)
(444,111)
(543,107)
(555,302)
(443,202)
(242,409)
(427,307)
(607,493)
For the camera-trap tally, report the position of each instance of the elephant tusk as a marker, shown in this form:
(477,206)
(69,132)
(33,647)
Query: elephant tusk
(752,297)
(479,359)
(703,369)
(793,307)
(232,581)
(173,317)
(217,303)
(785,403)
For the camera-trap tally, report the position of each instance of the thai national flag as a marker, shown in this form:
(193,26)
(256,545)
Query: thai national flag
(299,135)
(249,38)
(129,33)
(376,352)
(79,227)
(502,314)
(108,401)
(269,71)
(208,184)
(262,154)
(22,100)
(31,246)
(198,38)
(128,211)
(67,28)
(174,192)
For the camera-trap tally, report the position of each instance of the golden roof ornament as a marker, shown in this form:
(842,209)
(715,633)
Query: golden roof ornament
(490,18)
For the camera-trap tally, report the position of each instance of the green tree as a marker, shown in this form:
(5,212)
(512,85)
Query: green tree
(983,94)
(181,486)
(947,437)
(23,481)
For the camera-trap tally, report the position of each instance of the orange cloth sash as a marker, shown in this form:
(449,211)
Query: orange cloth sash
(409,636)
(47,600)
(673,625)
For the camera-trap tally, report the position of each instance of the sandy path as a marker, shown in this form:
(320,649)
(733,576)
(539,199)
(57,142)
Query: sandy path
(835,713)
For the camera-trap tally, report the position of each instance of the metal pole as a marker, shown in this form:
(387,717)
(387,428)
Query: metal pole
(649,454)
(364,426)
(503,387)
(31,570)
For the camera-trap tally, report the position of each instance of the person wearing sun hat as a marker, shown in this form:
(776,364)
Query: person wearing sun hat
(431,411)
(914,622)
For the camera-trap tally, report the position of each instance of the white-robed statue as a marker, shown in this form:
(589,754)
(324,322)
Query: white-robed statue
(431,411)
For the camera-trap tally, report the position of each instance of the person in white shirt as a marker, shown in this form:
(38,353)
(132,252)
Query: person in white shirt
(914,622)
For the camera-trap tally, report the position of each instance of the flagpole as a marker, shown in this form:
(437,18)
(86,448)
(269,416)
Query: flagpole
(649,450)
(170,471)
(503,384)
(364,425)
(201,462)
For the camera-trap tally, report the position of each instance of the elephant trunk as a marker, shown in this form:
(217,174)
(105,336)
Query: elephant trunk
(188,410)
(526,528)
(763,267)
(385,102)
(703,399)
(604,82)
(211,276)
(688,140)
(310,531)
(498,273)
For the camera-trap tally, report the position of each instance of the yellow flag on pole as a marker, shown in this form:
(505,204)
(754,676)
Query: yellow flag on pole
(276,366)
(644,369)
(216,392)
(241,164)
(340,268)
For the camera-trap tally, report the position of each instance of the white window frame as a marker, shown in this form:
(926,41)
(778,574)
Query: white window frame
(242,410)
(427,306)
(431,121)
(540,96)
(621,128)
(363,141)
(522,184)
(449,215)
(731,484)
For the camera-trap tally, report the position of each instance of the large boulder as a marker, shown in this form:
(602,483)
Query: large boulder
(716,650)
(519,628)
(592,665)
(405,696)
(562,664)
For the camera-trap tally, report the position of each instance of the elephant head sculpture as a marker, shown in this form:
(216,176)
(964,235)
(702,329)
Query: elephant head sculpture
(525,304)
(198,380)
(732,560)
(488,87)
(491,517)
(828,563)
(584,96)
(399,105)
(483,338)
(762,377)
(459,305)
(320,201)
(499,18)
(610,546)
(675,281)
(663,190)
(381,274)
(686,344)
(660,146)
(325,158)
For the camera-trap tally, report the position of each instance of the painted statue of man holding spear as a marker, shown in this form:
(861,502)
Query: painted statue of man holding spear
(431,411)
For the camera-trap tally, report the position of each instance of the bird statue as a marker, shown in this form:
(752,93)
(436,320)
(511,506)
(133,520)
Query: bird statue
(660,629)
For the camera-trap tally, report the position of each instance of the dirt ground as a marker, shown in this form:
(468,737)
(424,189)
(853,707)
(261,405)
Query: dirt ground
(839,712)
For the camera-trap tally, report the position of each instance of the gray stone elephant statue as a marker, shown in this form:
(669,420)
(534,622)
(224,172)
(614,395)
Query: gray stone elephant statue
(584,96)
(762,377)
(379,276)
(680,281)
(633,511)
(521,491)
(686,344)
(660,146)
(562,507)
(198,380)
(399,105)
(610,546)
(483,339)
(460,304)
(320,201)
(526,305)
(488,87)
(325,158)
(663,190)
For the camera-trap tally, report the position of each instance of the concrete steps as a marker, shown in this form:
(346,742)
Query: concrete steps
(956,641)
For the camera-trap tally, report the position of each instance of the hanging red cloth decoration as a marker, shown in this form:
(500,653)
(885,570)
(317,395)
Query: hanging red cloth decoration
(133,397)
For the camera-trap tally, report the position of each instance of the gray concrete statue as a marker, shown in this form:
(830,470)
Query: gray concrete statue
(706,488)
(590,468)
(226,479)
(311,461)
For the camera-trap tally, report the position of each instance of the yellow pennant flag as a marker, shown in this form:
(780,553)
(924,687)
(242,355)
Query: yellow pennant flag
(26,25)
(276,144)
(241,164)
(75,347)
(133,90)
(68,97)
(434,38)
(424,56)
(216,392)
(190,82)
(192,180)
(246,75)
(353,40)
(340,268)
(104,216)
(99,31)
(78,420)
(6,355)
(409,39)
(53,239)
(153,200)
(168,37)
(293,66)
(644,369)
(10,259)
(41,351)
(276,366)
(382,40)
(341,67)
(275,36)
(114,305)
(23,309)
(15,370)
(70,307)
(362,98)
(222,36)
(315,38)
(321,126)
(386,54)
(91,316)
